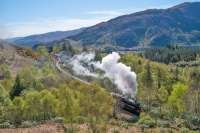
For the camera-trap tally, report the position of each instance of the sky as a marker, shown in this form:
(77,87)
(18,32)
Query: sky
(27,17)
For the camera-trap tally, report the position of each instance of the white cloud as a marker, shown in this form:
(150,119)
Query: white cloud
(43,26)
(4,32)
(13,29)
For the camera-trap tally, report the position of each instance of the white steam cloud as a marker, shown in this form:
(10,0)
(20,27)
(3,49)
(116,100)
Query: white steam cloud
(120,74)
(81,62)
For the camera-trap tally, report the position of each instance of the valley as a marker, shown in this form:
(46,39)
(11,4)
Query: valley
(136,73)
(52,75)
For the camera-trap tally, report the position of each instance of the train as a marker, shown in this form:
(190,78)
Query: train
(126,105)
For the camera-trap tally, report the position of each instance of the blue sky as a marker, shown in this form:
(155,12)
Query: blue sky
(26,17)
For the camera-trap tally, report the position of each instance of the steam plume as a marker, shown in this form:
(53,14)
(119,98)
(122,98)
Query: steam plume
(120,74)
(81,63)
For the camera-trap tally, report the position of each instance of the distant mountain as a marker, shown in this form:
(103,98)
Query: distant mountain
(156,27)
(30,41)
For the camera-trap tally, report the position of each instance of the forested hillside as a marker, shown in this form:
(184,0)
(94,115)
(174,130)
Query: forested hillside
(149,28)
(182,56)
(39,92)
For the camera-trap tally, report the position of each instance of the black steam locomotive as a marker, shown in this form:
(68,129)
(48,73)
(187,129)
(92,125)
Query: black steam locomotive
(127,105)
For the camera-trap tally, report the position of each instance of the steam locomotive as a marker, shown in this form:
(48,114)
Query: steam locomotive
(126,105)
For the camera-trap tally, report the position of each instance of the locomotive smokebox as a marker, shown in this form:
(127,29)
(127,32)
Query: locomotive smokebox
(126,106)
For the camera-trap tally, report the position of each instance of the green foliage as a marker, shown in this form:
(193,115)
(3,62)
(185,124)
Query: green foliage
(146,120)
(89,102)
(4,97)
(27,124)
(165,91)
(42,50)
(115,131)
(98,55)
(192,121)
(6,125)
(101,105)
(17,88)
(175,101)
(56,49)
(15,111)
(124,125)
(4,72)
(39,93)
(40,105)
(172,54)
(58,119)
(4,102)
(68,103)
(162,95)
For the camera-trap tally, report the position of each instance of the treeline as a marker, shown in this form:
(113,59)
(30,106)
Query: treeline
(172,54)
(169,95)
(39,93)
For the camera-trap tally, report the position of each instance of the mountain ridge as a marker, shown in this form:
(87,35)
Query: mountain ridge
(153,27)
(179,25)
(32,40)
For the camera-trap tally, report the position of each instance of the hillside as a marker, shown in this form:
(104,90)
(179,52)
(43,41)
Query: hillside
(30,41)
(150,28)
(41,93)
(15,58)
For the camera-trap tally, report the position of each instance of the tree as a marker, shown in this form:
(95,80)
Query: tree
(159,78)
(48,104)
(14,112)
(4,102)
(193,100)
(17,88)
(68,106)
(33,106)
(176,74)
(68,48)
(98,56)
(56,48)
(148,80)
(84,49)
(4,72)
(96,103)
(175,101)
(148,85)
(40,105)
(4,98)
(161,97)
(42,50)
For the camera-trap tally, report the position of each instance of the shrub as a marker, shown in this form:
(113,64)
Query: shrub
(116,130)
(6,125)
(163,124)
(58,120)
(164,130)
(80,119)
(185,130)
(27,124)
(124,125)
(192,121)
(70,130)
(146,120)
(155,112)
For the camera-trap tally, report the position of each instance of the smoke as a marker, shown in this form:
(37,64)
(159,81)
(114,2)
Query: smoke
(82,63)
(120,74)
